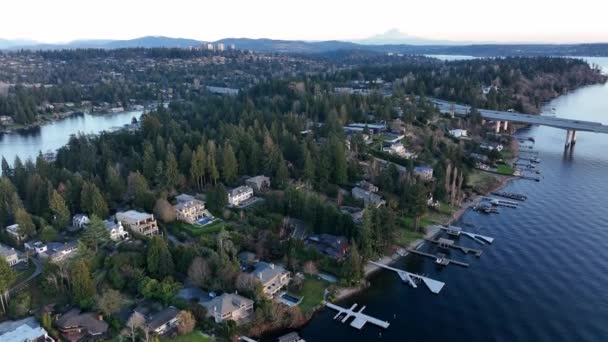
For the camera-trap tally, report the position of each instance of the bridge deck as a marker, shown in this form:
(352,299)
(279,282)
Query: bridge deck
(494,115)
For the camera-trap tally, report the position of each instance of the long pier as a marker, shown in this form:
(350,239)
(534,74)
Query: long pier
(360,318)
(410,278)
(445,261)
(446,243)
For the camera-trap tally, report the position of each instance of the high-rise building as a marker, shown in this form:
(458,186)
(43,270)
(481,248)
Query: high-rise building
(220,46)
(232,47)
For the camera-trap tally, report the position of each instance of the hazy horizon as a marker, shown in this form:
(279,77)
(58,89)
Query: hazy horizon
(518,21)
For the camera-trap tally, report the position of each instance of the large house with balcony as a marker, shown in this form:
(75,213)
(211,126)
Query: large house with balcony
(138,222)
(273,277)
(189,209)
(229,306)
(240,195)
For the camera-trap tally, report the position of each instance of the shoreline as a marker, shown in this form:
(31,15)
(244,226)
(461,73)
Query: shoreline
(430,232)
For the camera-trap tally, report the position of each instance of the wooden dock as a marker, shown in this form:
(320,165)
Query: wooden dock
(411,278)
(360,318)
(445,261)
(443,243)
(457,231)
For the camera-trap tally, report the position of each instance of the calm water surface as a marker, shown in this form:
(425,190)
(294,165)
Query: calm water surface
(28,143)
(545,278)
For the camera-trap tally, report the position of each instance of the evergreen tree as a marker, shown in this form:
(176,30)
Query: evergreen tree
(172,174)
(198,167)
(7,276)
(24,220)
(59,210)
(159,260)
(92,201)
(149,162)
(211,162)
(83,289)
(115,184)
(96,234)
(229,164)
(352,269)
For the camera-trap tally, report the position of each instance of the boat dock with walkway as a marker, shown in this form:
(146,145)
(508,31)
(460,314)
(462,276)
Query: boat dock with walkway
(360,318)
(440,259)
(457,231)
(411,278)
(447,243)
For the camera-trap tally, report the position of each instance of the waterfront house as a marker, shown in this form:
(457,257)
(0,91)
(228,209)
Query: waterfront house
(24,330)
(390,138)
(423,173)
(240,195)
(258,183)
(138,222)
(164,321)
(14,231)
(272,277)
(397,149)
(80,221)
(77,326)
(116,230)
(335,247)
(189,209)
(9,254)
(369,198)
(229,306)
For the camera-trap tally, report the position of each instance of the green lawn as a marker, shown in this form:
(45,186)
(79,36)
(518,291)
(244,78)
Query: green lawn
(195,336)
(408,222)
(311,293)
(504,169)
(406,236)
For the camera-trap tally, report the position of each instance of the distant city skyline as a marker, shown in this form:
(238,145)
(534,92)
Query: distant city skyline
(538,21)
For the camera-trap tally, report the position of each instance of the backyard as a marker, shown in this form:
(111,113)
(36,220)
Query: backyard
(312,294)
(195,336)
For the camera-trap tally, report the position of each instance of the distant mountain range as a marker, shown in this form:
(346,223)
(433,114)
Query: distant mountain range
(145,42)
(389,42)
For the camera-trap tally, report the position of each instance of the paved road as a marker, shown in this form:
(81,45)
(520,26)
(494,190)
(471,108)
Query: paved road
(25,282)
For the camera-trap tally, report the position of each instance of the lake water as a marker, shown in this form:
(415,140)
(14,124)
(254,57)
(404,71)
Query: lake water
(545,278)
(29,142)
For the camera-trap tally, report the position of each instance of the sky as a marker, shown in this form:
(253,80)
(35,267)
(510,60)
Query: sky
(556,21)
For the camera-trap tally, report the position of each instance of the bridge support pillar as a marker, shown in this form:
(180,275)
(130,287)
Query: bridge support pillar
(497,126)
(505,125)
(573,139)
(568,138)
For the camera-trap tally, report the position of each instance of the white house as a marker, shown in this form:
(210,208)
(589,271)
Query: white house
(9,254)
(116,230)
(458,133)
(189,209)
(13,230)
(272,277)
(80,221)
(229,306)
(239,195)
(141,223)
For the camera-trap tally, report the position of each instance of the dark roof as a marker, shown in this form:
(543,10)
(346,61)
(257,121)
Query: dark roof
(88,321)
(163,317)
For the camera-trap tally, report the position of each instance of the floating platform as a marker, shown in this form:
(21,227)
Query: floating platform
(412,279)
(439,259)
(360,318)
(447,243)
